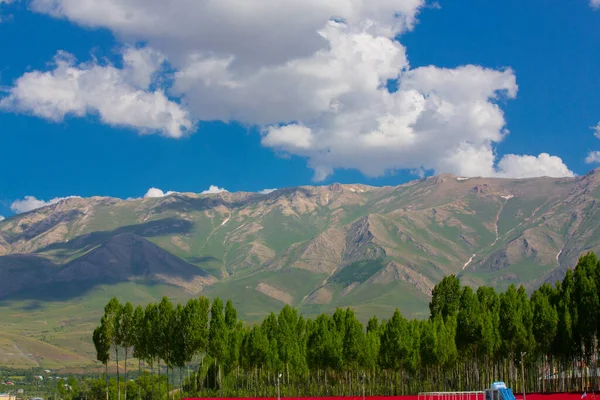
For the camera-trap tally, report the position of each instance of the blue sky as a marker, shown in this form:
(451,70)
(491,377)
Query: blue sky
(256,99)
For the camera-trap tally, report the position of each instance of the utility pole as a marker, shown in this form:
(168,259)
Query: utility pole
(523,373)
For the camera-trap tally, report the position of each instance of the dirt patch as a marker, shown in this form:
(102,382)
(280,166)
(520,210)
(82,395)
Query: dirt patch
(348,289)
(321,296)
(396,272)
(179,243)
(194,285)
(274,293)
(242,232)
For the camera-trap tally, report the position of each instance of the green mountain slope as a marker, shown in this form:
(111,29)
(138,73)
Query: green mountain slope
(317,248)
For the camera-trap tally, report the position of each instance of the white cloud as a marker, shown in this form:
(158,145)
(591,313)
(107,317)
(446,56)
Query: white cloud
(301,89)
(140,65)
(596,128)
(1,218)
(118,96)
(267,191)
(4,17)
(595,3)
(257,33)
(214,190)
(593,157)
(29,203)
(516,166)
(315,87)
(154,192)
(441,119)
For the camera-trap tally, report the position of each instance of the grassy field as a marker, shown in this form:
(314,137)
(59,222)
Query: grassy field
(57,334)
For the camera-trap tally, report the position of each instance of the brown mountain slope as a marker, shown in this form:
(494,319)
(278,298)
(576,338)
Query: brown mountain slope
(490,231)
(316,248)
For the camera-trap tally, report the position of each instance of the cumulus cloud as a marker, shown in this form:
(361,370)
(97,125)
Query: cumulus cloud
(214,190)
(257,33)
(29,203)
(311,74)
(119,96)
(593,157)
(515,166)
(267,191)
(154,192)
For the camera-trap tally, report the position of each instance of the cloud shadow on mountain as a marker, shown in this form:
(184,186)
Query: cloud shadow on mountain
(38,295)
(161,227)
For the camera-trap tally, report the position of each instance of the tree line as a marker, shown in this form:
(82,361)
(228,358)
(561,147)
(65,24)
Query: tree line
(543,342)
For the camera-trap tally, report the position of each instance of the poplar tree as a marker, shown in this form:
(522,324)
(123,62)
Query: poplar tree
(101,339)
(140,341)
(112,313)
(217,336)
(126,334)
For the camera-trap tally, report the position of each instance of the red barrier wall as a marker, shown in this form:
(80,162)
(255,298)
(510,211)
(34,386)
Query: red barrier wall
(533,396)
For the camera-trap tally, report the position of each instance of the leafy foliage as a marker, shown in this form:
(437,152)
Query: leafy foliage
(471,338)
(359,271)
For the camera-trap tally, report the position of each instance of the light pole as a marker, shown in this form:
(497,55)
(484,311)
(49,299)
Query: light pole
(278,376)
(523,373)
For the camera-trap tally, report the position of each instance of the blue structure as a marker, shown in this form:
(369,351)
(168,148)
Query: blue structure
(499,391)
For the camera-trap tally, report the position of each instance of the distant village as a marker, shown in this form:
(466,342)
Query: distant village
(12,389)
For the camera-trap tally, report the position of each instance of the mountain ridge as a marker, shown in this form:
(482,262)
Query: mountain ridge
(313,247)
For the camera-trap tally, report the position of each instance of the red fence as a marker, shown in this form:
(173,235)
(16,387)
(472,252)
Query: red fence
(533,396)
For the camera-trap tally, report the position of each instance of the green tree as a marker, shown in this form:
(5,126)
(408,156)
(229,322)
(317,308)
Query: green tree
(112,313)
(445,297)
(126,334)
(139,340)
(545,319)
(102,344)
(586,302)
(166,327)
(153,335)
(372,343)
(287,339)
(353,342)
(469,323)
(217,336)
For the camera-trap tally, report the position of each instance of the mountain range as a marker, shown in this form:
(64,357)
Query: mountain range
(313,247)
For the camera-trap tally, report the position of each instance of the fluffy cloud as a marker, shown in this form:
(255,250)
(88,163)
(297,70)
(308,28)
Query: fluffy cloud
(516,166)
(312,74)
(593,157)
(119,96)
(29,203)
(596,128)
(257,33)
(595,3)
(214,190)
(267,191)
(154,192)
